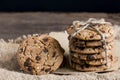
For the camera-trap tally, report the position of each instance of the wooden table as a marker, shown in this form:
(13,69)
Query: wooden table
(13,25)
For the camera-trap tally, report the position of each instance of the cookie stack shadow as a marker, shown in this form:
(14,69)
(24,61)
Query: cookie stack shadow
(88,50)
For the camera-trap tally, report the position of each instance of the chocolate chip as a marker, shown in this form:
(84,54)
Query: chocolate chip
(75,39)
(54,54)
(90,57)
(72,52)
(111,57)
(103,31)
(99,47)
(87,66)
(82,48)
(80,45)
(82,62)
(47,70)
(82,66)
(45,50)
(27,63)
(28,59)
(42,69)
(45,39)
(29,68)
(37,58)
(27,41)
(35,41)
(91,36)
(21,50)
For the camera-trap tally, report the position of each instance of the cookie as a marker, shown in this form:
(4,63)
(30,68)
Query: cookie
(90,50)
(90,33)
(91,56)
(93,43)
(40,54)
(88,68)
(91,62)
(96,68)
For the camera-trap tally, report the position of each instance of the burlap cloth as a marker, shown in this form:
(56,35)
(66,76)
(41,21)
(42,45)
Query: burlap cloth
(9,69)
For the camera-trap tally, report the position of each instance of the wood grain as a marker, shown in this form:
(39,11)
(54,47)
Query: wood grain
(13,25)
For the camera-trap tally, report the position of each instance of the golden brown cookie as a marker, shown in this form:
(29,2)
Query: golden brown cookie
(93,43)
(91,50)
(96,68)
(40,54)
(90,33)
(91,56)
(88,68)
(91,62)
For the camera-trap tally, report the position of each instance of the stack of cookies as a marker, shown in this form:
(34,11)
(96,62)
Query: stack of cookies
(91,45)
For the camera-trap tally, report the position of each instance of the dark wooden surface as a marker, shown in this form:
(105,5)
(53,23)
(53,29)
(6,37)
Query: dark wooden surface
(13,25)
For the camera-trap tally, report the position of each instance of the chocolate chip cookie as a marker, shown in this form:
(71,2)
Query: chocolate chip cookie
(85,43)
(91,50)
(90,33)
(88,68)
(94,68)
(40,54)
(91,62)
(91,56)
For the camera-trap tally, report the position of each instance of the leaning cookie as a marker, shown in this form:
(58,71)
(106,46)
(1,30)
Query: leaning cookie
(40,54)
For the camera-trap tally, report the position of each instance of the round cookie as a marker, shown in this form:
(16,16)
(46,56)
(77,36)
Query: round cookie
(88,68)
(40,54)
(93,43)
(91,50)
(91,56)
(91,62)
(90,33)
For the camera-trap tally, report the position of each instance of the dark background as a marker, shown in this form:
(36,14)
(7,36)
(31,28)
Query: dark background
(61,5)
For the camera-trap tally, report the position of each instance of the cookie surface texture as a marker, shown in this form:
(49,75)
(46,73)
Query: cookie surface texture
(40,54)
